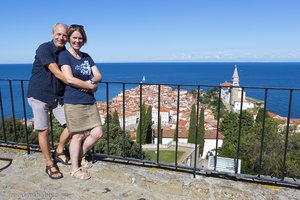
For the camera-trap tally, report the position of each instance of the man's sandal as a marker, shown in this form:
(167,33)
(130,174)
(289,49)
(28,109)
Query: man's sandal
(79,174)
(86,164)
(56,158)
(53,170)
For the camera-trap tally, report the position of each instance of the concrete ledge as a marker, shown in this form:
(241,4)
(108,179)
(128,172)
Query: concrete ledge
(25,179)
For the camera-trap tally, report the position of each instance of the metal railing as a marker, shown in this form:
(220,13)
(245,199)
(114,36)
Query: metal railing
(12,94)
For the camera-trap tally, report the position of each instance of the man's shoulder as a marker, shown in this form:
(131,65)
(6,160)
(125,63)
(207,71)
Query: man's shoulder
(46,45)
(64,52)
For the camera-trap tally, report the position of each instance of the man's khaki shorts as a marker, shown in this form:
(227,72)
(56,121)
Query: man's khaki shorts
(41,113)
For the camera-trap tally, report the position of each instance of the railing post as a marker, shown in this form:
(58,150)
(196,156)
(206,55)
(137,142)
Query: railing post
(13,109)
(197,132)
(263,132)
(107,117)
(2,116)
(158,123)
(177,125)
(141,120)
(25,117)
(218,124)
(283,173)
(239,133)
(124,132)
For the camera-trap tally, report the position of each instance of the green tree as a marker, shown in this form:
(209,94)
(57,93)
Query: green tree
(141,137)
(17,132)
(192,127)
(160,135)
(57,130)
(293,155)
(230,128)
(260,115)
(149,125)
(131,149)
(250,145)
(108,118)
(115,119)
(272,150)
(201,131)
(175,134)
(247,122)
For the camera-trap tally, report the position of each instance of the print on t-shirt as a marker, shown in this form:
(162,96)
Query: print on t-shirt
(84,68)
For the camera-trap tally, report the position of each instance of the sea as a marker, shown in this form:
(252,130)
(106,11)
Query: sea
(255,77)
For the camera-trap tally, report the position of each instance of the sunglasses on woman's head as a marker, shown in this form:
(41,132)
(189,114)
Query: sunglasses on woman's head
(76,26)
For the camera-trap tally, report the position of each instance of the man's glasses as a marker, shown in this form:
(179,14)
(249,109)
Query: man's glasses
(77,26)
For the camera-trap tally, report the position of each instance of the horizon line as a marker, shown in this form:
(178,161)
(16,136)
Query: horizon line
(108,62)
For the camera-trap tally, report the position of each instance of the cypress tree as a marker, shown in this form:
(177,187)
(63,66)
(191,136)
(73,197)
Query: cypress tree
(149,125)
(160,135)
(201,131)
(115,119)
(108,118)
(175,134)
(143,139)
(192,127)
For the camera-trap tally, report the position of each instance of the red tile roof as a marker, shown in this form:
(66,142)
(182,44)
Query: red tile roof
(225,84)
(212,134)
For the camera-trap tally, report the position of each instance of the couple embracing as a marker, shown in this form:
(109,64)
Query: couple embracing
(63,82)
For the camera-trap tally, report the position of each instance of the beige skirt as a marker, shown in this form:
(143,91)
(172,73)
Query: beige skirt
(81,117)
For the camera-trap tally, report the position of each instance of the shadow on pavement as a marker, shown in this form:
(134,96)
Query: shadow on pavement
(9,160)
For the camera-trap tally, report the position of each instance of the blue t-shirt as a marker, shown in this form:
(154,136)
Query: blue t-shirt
(43,85)
(81,69)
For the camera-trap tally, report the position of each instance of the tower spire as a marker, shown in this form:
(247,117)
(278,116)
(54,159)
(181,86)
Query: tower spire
(235,77)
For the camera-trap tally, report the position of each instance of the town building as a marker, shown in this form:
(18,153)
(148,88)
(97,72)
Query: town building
(168,114)
(231,94)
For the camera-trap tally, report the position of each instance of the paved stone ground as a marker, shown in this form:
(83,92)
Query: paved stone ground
(25,178)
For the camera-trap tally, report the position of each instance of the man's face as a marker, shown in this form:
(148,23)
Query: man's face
(59,36)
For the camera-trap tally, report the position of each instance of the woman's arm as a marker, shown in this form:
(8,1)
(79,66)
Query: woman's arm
(97,75)
(71,80)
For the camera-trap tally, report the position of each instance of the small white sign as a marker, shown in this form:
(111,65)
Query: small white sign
(224,164)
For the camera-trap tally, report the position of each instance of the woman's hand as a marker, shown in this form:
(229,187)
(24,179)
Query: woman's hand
(92,88)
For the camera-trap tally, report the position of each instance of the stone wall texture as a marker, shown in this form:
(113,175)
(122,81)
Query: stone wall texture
(25,178)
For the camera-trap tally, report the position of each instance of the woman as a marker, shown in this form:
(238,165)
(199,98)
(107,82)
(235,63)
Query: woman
(81,111)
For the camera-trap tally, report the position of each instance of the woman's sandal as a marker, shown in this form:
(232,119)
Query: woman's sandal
(79,174)
(86,164)
(56,158)
(51,173)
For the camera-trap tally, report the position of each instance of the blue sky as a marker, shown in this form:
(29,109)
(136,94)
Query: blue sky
(158,30)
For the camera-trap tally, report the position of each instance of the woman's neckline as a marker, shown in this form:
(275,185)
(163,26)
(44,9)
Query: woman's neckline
(77,56)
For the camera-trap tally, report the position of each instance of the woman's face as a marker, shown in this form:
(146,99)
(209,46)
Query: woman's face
(76,40)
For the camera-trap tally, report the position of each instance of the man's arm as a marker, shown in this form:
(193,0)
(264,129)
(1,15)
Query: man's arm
(53,67)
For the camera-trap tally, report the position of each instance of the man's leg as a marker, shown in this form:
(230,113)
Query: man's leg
(63,141)
(45,146)
(51,168)
(40,113)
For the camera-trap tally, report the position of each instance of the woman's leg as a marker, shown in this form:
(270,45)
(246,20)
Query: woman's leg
(95,134)
(75,149)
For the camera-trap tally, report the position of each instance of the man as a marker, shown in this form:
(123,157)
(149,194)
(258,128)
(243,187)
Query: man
(45,94)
